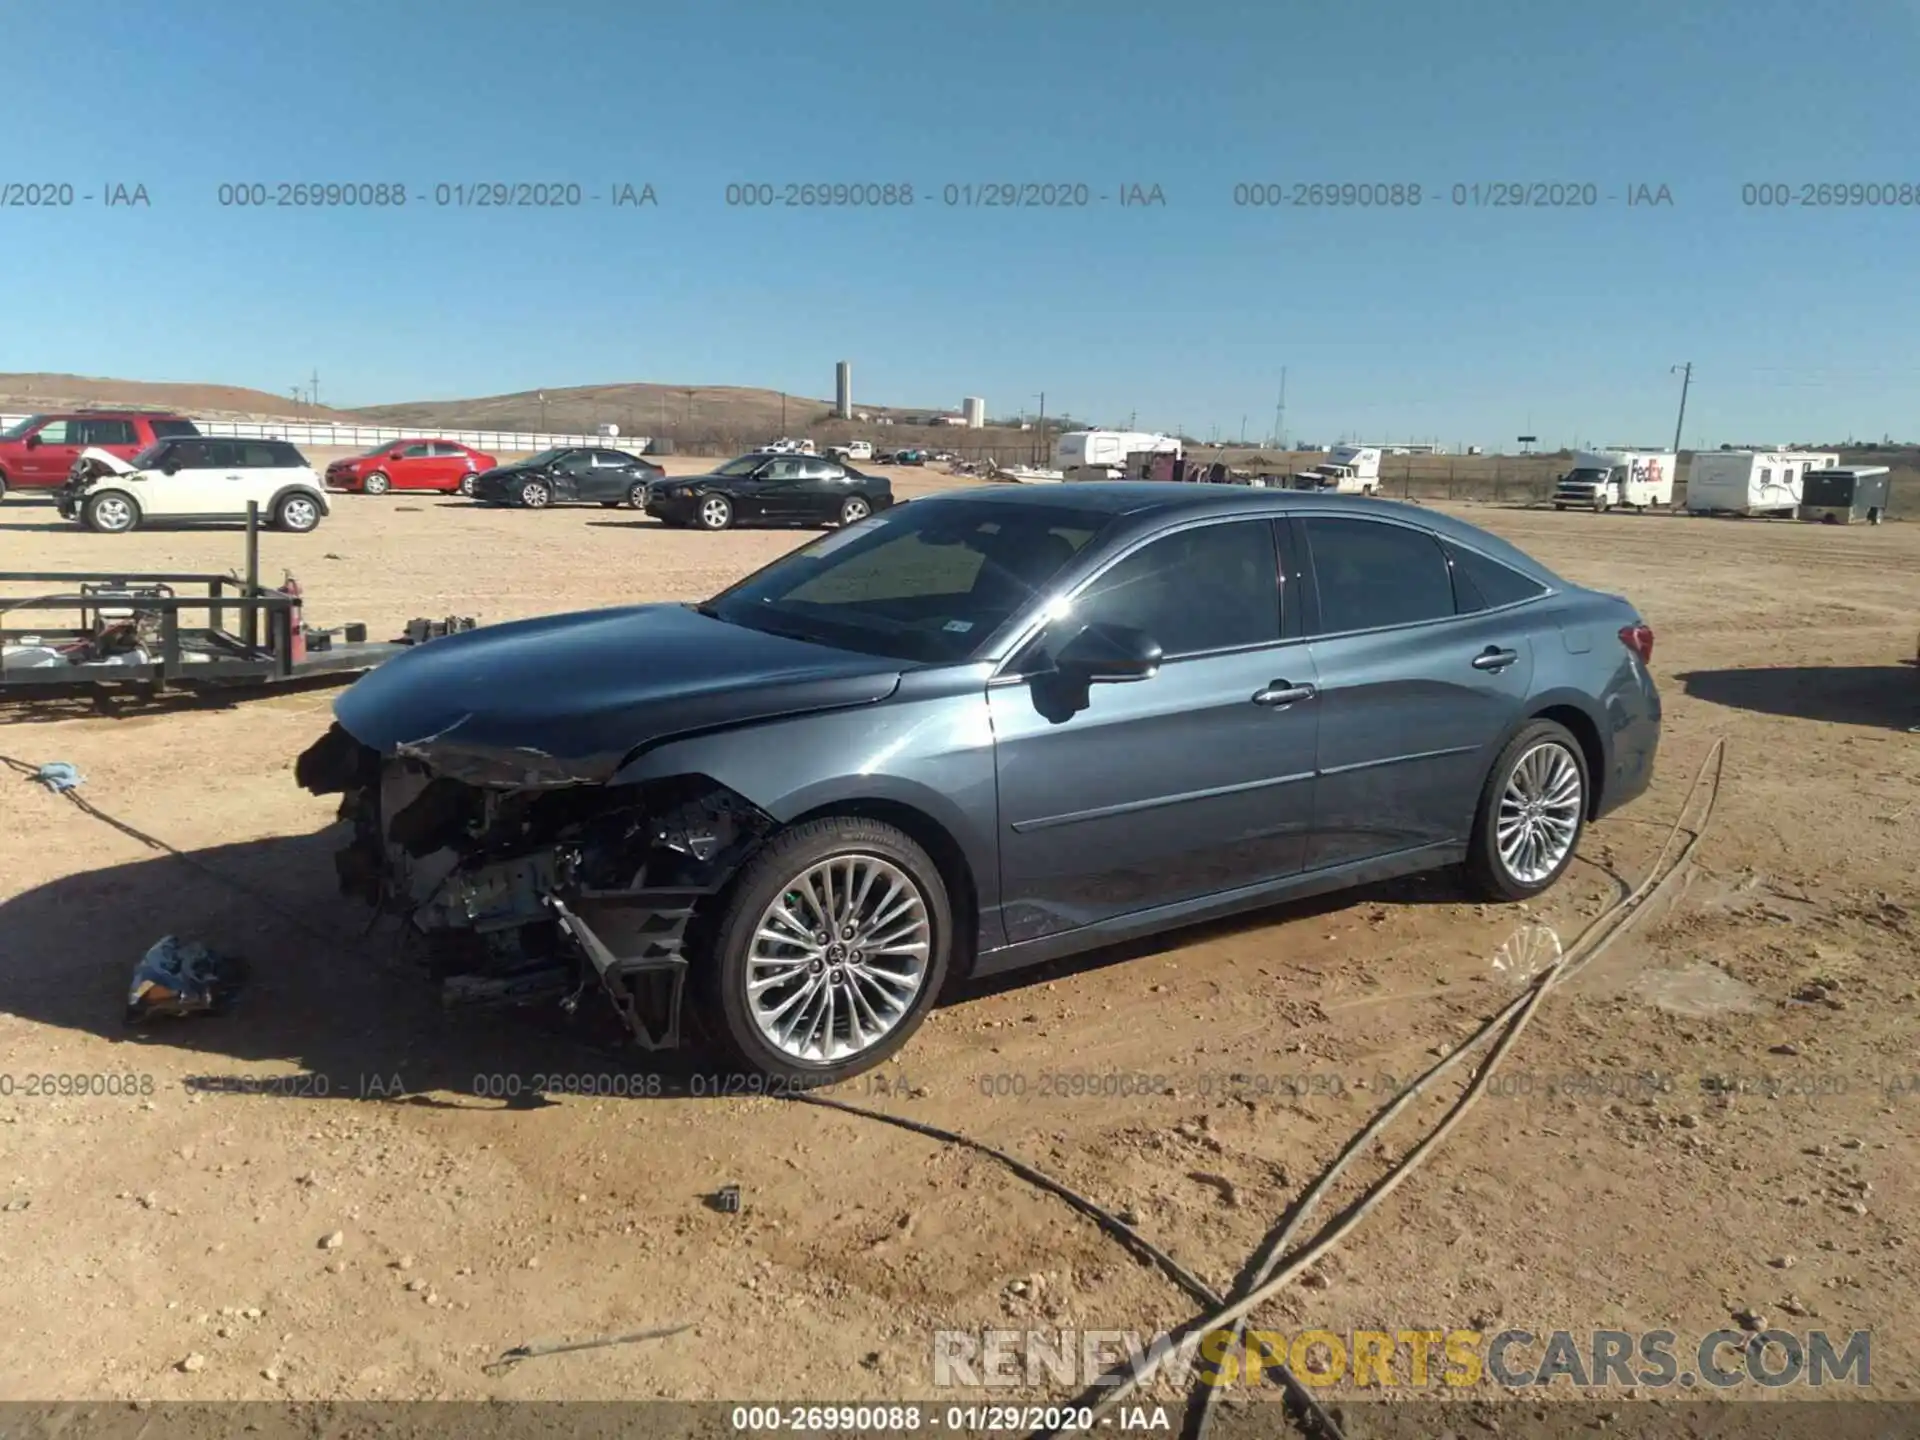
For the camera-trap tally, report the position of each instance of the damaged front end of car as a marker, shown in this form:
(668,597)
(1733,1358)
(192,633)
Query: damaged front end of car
(526,881)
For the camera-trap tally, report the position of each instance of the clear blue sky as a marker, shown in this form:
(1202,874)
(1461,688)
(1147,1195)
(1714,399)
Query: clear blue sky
(1465,324)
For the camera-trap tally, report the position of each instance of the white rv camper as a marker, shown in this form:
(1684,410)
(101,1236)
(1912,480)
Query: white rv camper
(1751,482)
(1602,479)
(1102,454)
(1348,470)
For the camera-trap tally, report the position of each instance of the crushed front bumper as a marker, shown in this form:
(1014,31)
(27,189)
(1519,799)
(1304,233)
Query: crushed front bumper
(522,894)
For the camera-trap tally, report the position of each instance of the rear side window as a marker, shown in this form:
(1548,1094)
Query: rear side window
(107,432)
(260,457)
(164,429)
(284,455)
(1371,574)
(446,450)
(1483,584)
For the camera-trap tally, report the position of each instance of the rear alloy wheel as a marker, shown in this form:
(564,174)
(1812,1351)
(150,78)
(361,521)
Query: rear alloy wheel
(833,948)
(1532,812)
(466,484)
(536,495)
(854,509)
(298,514)
(376,484)
(3,484)
(112,513)
(716,512)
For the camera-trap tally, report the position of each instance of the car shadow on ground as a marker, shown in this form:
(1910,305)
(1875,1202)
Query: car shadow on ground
(348,1008)
(1882,696)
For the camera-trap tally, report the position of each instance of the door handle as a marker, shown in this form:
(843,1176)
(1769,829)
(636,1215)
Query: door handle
(1280,694)
(1494,658)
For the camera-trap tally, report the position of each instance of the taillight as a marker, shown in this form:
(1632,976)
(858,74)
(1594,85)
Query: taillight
(1638,639)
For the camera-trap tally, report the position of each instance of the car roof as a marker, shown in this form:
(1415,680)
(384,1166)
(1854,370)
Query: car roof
(97,412)
(1143,502)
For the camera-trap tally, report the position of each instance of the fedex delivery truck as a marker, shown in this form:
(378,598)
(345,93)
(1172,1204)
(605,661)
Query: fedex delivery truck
(1600,480)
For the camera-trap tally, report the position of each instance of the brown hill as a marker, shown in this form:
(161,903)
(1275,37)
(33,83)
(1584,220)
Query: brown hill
(637,408)
(26,393)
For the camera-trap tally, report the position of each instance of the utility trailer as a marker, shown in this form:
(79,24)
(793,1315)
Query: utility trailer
(147,632)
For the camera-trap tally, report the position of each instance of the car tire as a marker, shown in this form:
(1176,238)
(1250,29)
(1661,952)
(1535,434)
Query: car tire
(376,484)
(1532,813)
(854,509)
(715,512)
(466,485)
(113,513)
(895,883)
(637,495)
(297,514)
(536,494)
(3,485)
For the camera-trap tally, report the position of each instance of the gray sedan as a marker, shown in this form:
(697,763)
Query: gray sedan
(974,732)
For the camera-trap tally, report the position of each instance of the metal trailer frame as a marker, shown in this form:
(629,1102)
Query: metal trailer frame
(261,650)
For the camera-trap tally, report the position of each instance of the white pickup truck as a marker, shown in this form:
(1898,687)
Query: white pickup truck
(852,450)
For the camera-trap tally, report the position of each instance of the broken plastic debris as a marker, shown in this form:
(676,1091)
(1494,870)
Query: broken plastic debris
(1527,952)
(183,977)
(726,1200)
(58,775)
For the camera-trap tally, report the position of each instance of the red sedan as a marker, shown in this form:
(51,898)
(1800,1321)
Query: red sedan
(439,465)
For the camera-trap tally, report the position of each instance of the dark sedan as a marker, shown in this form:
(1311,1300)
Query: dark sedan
(771,488)
(979,731)
(569,475)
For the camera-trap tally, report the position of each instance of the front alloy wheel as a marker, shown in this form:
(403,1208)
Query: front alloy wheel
(1531,814)
(716,512)
(112,513)
(376,484)
(832,950)
(535,495)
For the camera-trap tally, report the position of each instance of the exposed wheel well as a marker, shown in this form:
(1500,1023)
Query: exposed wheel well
(963,897)
(1582,728)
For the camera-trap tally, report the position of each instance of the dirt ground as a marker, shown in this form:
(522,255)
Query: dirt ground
(1767,1171)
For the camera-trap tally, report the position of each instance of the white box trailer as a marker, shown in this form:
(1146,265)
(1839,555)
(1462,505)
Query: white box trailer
(1102,454)
(1347,470)
(1603,479)
(1752,482)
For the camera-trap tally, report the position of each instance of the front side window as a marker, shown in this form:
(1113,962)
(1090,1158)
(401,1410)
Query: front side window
(1371,574)
(929,582)
(60,432)
(744,466)
(1211,587)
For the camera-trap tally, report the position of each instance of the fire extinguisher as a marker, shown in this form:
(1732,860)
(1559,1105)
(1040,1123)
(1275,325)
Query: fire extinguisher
(296,627)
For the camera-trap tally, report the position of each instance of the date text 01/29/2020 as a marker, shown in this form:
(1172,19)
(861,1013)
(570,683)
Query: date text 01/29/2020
(1410,195)
(984,195)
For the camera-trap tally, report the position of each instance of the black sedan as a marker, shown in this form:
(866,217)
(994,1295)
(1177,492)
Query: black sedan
(569,474)
(769,488)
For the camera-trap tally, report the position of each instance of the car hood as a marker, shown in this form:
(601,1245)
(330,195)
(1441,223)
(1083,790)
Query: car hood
(105,461)
(565,698)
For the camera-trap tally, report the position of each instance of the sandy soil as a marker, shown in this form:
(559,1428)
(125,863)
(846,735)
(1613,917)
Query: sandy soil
(139,1230)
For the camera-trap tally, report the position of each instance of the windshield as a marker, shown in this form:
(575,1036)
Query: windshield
(149,457)
(386,449)
(19,430)
(929,582)
(1586,476)
(545,457)
(745,465)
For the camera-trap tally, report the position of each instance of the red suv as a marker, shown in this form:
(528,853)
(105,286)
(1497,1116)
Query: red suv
(37,453)
(410,465)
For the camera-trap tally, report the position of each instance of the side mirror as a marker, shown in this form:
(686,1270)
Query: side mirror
(34,442)
(1109,653)
(171,467)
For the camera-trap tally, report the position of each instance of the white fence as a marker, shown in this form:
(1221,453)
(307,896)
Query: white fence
(365,437)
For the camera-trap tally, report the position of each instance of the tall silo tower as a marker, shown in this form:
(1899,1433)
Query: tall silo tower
(975,411)
(843,390)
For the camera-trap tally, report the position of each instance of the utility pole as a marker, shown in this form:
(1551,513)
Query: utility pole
(1280,414)
(1040,427)
(313,390)
(1686,379)
(1243,430)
